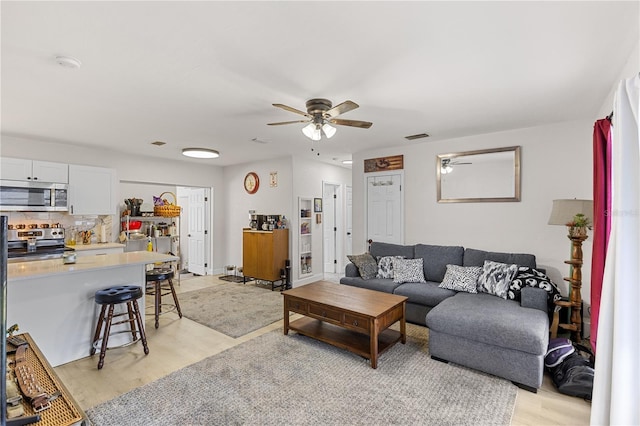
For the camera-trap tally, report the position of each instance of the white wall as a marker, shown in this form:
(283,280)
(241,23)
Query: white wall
(296,178)
(630,69)
(556,163)
(268,200)
(307,183)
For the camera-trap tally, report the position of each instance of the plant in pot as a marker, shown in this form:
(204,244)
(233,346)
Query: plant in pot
(578,225)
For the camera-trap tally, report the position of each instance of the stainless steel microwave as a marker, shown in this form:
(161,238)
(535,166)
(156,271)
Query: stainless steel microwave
(33,196)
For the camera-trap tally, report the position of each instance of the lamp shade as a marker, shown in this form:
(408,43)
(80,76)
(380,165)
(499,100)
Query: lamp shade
(563,211)
(329,130)
(309,130)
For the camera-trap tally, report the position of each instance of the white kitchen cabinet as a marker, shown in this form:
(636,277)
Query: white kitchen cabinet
(91,190)
(33,170)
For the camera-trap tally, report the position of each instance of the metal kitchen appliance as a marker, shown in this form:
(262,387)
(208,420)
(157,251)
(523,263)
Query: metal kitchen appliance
(33,196)
(35,242)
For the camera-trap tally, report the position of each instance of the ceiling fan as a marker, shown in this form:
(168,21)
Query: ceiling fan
(321,112)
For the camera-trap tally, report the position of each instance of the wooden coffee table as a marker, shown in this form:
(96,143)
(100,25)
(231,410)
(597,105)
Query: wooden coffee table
(351,318)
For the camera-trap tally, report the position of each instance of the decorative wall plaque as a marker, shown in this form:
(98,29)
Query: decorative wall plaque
(381,164)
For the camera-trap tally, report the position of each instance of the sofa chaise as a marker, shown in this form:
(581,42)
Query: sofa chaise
(506,338)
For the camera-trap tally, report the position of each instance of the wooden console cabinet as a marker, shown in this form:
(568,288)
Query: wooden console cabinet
(264,253)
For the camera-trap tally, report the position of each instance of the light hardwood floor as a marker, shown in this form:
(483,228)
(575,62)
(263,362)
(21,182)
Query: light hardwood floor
(181,342)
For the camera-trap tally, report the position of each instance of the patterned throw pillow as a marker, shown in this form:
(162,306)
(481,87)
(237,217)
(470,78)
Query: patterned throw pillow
(496,277)
(385,266)
(529,277)
(461,278)
(408,271)
(366,264)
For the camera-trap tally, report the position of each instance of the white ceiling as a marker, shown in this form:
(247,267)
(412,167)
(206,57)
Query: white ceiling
(206,73)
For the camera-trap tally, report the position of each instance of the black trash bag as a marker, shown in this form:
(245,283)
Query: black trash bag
(574,375)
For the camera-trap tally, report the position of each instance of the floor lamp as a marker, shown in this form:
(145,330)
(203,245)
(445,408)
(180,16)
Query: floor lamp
(577,216)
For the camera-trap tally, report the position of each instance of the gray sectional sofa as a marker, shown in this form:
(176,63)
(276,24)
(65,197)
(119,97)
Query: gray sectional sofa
(506,338)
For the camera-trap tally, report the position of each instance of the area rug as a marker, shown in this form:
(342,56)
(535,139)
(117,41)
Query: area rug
(294,380)
(234,278)
(232,308)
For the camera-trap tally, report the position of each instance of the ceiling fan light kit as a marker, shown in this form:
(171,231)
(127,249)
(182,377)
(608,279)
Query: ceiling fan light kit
(319,114)
(328,130)
(200,153)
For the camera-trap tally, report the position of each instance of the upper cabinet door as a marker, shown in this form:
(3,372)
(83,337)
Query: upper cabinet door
(46,171)
(91,190)
(15,169)
(32,170)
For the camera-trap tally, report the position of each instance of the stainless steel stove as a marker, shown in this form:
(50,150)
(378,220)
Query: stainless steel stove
(35,242)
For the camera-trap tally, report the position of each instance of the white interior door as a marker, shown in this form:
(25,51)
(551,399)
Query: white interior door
(329,225)
(197,231)
(384,208)
(348,243)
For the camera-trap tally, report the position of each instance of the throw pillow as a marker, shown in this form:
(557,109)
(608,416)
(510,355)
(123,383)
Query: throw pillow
(496,277)
(385,266)
(408,271)
(461,278)
(530,277)
(366,264)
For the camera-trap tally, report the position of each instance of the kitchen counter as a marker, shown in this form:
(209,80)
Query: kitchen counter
(25,270)
(54,302)
(97,246)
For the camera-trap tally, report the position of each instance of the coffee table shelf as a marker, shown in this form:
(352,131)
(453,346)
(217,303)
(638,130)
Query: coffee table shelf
(342,338)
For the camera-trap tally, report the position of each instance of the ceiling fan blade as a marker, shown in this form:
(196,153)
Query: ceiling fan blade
(352,123)
(291,109)
(287,122)
(346,106)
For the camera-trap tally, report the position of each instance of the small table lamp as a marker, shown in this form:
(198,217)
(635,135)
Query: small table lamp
(565,212)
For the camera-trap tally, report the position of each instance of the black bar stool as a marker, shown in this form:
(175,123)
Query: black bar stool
(109,298)
(156,278)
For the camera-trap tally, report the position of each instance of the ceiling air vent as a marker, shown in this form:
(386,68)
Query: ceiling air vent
(418,136)
(158,143)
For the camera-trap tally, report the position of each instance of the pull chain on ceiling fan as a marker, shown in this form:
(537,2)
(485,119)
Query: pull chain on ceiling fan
(320,115)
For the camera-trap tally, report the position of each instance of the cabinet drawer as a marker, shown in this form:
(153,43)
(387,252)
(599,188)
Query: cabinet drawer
(356,322)
(297,305)
(323,313)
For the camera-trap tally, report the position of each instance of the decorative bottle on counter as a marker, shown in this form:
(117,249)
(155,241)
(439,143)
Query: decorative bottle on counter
(149,245)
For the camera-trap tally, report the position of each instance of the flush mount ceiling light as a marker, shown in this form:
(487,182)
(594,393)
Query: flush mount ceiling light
(347,161)
(200,153)
(68,62)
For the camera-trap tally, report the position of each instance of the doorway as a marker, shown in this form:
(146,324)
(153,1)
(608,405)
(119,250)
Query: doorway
(333,234)
(195,246)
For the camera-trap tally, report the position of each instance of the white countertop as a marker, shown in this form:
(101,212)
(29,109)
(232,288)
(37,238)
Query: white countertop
(25,270)
(97,246)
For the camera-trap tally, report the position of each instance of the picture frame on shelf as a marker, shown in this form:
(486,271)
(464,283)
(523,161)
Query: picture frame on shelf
(317,205)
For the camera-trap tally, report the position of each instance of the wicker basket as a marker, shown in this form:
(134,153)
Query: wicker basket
(167,210)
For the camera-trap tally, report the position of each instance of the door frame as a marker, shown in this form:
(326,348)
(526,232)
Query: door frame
(339,223)
(366,203)
(209,212)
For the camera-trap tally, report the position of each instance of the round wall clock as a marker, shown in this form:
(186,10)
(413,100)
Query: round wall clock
(251,183)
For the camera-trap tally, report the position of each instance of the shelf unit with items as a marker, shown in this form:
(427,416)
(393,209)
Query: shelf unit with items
(305,245)
(161,231)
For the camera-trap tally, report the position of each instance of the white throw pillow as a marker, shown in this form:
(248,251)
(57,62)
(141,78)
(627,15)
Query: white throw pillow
(408,271)
(461,278)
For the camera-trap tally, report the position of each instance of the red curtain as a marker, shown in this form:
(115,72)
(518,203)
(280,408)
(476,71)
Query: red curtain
(601,216)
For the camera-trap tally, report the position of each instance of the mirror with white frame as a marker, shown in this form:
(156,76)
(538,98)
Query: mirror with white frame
(488,175)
